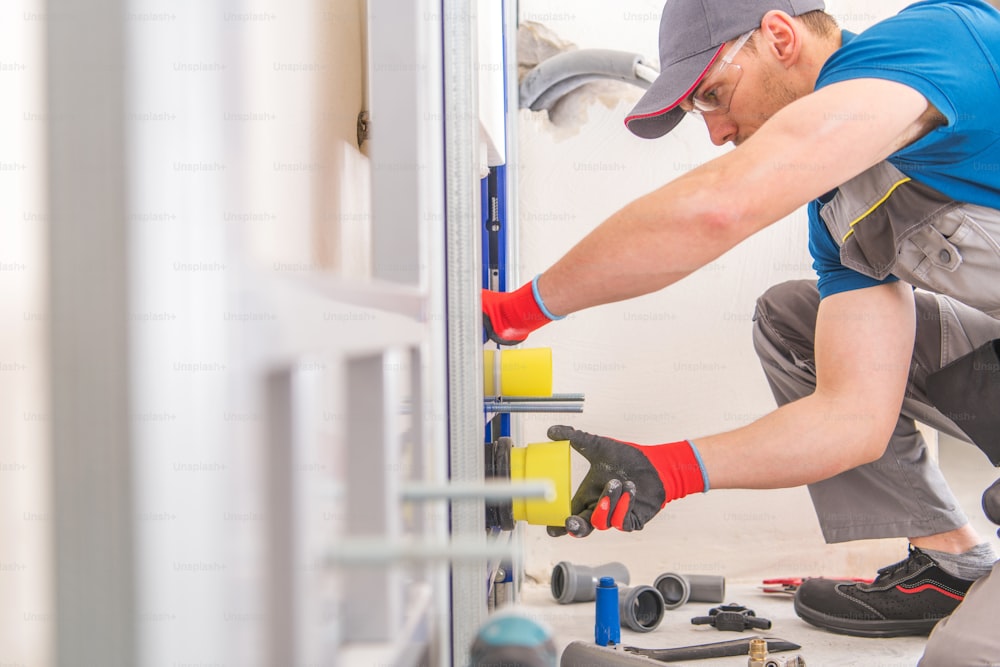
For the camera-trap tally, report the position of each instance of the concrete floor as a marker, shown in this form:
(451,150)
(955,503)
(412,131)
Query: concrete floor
(576,622)
(968,474)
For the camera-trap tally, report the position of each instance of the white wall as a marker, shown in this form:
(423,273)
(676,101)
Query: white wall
(25,518)
(676,364)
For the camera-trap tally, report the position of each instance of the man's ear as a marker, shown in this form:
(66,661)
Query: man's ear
(781,35)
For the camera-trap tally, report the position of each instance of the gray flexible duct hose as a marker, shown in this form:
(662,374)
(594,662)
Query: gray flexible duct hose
(553,78)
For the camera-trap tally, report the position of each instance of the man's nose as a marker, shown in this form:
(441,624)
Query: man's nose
(720,128)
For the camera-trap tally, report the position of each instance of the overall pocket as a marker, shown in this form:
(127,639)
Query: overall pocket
(957,254)
(887,223)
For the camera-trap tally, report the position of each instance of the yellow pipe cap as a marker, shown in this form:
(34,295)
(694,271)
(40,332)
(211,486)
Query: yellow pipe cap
(545,461)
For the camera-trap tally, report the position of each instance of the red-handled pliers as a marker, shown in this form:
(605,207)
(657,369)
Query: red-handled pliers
(788,585)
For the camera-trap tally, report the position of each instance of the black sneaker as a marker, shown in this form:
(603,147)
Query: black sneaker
(907,598)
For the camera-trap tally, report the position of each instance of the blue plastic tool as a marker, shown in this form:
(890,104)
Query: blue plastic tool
(607,629)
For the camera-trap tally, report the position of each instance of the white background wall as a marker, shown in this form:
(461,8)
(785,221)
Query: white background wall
(25,519)
(671,365)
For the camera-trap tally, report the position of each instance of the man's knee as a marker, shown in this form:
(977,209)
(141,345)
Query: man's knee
(786,317)
(968,637)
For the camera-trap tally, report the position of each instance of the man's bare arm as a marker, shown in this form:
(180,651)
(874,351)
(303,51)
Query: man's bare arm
(808,148)
(864,342)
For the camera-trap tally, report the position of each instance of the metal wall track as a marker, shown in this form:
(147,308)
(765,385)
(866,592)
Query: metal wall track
(465,337)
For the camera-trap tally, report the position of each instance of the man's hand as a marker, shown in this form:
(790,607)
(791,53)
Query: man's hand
(508,317)
(627,484)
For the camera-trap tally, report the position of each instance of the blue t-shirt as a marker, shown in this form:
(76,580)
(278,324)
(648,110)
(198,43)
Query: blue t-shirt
(948,51)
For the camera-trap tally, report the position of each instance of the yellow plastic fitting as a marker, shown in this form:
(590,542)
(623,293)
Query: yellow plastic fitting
(521,372)
(548,461)
(490,387)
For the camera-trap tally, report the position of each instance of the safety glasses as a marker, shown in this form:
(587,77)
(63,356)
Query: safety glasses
(716,90)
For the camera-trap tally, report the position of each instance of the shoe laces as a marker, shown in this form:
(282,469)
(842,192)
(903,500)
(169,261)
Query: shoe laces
(910,563)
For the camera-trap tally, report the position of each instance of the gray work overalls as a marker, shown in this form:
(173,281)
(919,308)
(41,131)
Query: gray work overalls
(887,223)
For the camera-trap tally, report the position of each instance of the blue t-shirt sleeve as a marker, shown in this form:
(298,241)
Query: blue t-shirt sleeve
(940,48)
(834,277)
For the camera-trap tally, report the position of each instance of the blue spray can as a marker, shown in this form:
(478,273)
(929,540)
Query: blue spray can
(607,629)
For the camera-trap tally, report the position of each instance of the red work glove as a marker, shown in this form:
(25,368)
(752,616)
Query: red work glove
(627,484)
(508,317)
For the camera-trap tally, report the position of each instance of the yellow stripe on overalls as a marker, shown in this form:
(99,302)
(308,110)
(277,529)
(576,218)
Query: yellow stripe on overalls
(873,207)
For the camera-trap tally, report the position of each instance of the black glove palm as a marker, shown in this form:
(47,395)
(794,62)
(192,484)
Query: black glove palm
(622,489)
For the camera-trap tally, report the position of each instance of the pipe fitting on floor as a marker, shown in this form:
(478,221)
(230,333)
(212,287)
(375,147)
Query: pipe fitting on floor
(679,589)
(640,608)
(577,583)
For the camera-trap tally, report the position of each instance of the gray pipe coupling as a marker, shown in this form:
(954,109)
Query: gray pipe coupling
(640,608)
(678,589)
(578,583)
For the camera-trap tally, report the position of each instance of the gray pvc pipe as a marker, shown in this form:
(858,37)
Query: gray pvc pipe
(578,583)
(640,608)
(678,589)
(553,78)
(582,653)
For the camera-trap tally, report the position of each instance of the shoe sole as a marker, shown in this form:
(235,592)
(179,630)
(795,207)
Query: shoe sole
(846,626)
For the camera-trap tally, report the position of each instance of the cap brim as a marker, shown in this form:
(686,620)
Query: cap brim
(657,112)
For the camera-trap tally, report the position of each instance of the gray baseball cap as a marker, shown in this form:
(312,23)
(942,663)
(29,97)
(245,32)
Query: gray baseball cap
(692,36)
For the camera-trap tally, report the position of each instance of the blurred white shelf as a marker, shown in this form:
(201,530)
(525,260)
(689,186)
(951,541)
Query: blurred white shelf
(409,645)
(377,294)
